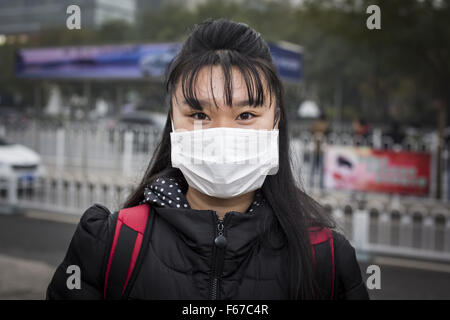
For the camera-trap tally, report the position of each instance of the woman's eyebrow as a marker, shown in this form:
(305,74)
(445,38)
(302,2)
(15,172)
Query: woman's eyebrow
(205,103)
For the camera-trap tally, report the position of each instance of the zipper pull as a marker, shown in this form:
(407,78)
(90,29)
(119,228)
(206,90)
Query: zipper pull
(220,241)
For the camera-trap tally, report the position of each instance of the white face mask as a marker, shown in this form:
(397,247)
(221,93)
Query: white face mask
(225,162)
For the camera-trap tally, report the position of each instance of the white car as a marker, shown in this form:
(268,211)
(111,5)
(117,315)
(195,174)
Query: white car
(20,162)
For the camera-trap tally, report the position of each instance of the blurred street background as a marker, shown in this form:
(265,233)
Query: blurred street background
(367,93)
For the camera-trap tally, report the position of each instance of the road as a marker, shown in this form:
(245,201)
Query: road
(34,243)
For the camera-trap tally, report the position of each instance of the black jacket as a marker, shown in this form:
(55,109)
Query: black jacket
(179,256)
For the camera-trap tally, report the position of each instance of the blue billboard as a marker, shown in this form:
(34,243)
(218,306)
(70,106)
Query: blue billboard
(123,62)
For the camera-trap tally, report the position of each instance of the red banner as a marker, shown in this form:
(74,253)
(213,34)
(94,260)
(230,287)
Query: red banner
(365,169)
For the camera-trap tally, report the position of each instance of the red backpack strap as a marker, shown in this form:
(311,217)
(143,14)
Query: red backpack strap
(124,252)
(322,247)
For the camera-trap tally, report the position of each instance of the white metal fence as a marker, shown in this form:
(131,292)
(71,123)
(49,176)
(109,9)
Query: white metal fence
(65,195)
(88,147)
(398,226)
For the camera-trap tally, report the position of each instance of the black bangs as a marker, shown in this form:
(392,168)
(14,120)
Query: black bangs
(260,81)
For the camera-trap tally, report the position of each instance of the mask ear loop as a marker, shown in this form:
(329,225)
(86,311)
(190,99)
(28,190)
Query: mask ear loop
(277,113)
(171,117)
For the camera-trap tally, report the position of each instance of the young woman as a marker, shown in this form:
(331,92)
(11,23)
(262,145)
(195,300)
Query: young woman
(226,219)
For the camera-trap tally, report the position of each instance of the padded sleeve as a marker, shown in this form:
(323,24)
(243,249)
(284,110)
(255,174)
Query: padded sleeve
(88,250)
(350,283)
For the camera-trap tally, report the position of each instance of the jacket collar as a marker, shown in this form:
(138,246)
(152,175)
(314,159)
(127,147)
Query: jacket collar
(198,227)
(170,191)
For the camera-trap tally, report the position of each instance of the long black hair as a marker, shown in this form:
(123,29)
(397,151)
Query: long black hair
(235,45)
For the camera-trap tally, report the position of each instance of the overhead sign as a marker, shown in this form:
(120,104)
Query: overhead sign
(123,61)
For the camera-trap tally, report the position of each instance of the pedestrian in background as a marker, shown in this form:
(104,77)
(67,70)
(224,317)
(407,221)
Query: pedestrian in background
(319,131)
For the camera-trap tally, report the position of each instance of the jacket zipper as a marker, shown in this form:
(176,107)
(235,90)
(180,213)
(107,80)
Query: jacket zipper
(220,242)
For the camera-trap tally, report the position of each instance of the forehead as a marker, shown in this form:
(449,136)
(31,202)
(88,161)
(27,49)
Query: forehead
(210,86)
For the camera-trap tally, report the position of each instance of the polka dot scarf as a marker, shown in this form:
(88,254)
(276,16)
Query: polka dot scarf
(170,192)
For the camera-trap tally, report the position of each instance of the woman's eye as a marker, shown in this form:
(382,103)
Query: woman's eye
(245,116)
(199,116)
